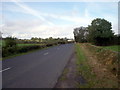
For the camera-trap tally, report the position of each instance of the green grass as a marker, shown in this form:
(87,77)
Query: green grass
(20,45)
(84,69)
(2,43)
(113,48)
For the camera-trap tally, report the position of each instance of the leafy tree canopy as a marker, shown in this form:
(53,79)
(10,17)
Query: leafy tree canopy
(100,31)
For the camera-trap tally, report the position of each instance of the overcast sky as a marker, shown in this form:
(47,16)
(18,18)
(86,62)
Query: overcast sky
(53,19)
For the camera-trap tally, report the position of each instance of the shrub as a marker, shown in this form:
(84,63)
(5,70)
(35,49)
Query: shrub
(10,47)
(62,42)
(10,41)
(29,48)
(7,51)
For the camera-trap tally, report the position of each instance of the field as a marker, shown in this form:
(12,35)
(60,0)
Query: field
(21,45)
(2,43)
(113,48)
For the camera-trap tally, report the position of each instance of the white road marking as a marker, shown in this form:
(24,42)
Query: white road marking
(5,69)
(45,53)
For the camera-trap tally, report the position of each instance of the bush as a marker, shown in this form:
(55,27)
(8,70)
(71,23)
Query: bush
(62,42)
(29,48)
(51,44)
(9,42)
(48,45)
(10,49)
(13,50)
(7,51)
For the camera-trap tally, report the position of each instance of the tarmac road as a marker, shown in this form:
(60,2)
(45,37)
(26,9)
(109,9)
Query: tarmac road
(39,69)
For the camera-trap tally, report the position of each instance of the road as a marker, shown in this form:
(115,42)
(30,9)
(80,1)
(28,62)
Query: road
(39,69)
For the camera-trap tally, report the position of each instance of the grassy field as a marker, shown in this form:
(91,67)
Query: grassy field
(2,43)
(21,45)
(113,48)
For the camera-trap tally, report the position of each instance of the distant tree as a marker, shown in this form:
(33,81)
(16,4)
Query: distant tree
(100,32)
(35,39)
(32,38)
(40,39)
(80,34)
(50,38)
(116,40)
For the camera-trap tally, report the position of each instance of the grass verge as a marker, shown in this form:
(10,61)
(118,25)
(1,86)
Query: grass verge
(84,69)
(63,76)
(96,74)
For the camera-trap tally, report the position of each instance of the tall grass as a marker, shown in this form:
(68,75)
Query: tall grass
(113,48)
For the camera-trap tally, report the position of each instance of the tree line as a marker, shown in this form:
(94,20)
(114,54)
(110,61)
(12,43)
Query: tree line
(36,40)
(98,33)
(11,44)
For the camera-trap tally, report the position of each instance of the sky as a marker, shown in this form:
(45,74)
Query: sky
(53,19)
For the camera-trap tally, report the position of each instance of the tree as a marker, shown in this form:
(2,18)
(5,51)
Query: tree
(80,34)
(35,40)
(50,38)
(100,32)
(116,40)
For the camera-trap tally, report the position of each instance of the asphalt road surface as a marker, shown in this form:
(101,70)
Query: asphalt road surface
(39,69)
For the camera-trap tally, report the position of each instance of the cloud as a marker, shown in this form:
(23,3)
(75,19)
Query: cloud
(104,10)
(64,0)
(31,11)
(36,27)
(42,15)
(23,30)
